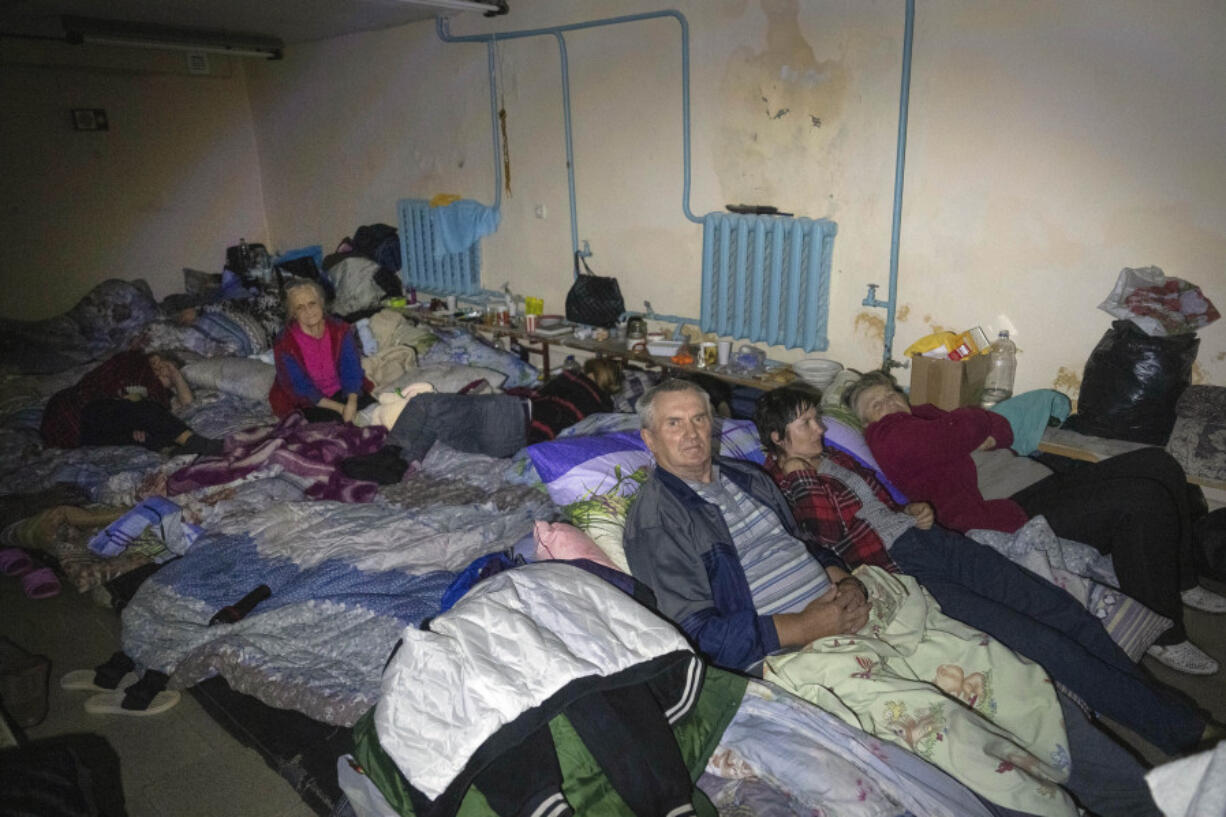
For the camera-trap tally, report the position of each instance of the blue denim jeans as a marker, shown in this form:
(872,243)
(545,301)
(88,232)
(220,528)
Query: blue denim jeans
(981,588)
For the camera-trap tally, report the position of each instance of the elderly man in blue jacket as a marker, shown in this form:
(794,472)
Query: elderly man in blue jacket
(715,541)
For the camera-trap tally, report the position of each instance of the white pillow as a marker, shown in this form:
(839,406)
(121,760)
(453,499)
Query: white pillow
(446,378)
(243,376)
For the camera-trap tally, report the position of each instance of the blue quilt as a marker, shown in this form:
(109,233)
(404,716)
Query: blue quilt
(346,580)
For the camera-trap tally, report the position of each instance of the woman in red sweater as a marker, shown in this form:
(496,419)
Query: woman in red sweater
(1133,506)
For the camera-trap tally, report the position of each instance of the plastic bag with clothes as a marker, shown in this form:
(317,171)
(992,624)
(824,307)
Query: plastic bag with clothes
(1159,305)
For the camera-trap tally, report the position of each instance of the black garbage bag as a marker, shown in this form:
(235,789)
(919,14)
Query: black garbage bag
(1131,384)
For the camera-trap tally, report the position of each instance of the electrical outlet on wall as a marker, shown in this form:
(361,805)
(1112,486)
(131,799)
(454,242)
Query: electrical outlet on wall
(197,62)
(89,119)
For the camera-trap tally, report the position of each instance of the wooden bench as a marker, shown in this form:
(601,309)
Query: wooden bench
(1083,447)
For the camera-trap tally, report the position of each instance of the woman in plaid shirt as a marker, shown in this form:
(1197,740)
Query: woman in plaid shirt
(843,507)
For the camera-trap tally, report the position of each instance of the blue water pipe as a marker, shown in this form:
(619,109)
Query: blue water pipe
(900,162)
(490,55)
(443,29)
(570,152)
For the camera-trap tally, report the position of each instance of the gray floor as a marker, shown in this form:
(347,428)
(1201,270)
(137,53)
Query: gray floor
(1209,691)
(182,764)
(177,764)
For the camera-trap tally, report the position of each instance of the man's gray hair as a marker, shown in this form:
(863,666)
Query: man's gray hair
(645,407)
(866,382)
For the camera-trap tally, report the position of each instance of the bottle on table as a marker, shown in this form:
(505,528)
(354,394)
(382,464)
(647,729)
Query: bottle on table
(1002,366)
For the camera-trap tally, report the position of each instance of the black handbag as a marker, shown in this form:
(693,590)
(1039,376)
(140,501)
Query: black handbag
(594,300)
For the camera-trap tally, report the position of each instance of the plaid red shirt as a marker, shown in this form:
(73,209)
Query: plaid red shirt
(61,424)
(825,509)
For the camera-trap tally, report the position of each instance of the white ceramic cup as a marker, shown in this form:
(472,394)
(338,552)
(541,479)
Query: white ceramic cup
(723,350)
(451,303)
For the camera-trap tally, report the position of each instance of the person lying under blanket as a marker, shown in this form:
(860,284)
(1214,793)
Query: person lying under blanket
(716,543)
(844,508)
(1133,506)
(127,400)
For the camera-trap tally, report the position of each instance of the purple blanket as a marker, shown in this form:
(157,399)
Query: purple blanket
(309,452)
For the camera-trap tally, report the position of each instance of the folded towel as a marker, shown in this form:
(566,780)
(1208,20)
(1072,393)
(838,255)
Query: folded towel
(178,536)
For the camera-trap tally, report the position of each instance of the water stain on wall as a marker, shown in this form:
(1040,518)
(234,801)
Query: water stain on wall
(903,312)
(871,324)
(1220,356)
(776,101)
(1068,381)
(1198,375)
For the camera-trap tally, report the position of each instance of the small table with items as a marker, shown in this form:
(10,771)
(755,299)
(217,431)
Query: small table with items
(540,343)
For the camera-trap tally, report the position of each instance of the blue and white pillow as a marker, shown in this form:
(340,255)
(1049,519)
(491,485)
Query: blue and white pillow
(593,478)
(578,467)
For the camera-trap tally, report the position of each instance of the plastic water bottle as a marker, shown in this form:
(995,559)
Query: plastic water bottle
(1002,366)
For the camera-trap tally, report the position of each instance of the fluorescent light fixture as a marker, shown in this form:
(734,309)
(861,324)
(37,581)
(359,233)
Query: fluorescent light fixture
(207,49)
(142,35)
(490,9)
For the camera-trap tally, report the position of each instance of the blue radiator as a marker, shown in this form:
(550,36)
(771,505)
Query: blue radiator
(457,273)
(767,278)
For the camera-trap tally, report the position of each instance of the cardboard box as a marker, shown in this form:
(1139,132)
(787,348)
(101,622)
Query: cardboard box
(948,384)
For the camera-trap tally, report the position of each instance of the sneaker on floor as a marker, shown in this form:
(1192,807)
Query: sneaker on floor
(1184,657)
(1198,598)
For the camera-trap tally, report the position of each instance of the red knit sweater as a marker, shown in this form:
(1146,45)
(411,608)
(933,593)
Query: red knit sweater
(927,455)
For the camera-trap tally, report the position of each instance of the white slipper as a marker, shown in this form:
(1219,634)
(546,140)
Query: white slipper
(1184,657)
(83,679)
(111,703)
(1198,598)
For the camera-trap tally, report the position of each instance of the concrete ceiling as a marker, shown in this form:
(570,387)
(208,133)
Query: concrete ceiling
(292,21)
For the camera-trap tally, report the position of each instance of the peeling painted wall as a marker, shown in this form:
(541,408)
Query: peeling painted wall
(775,95)
(1051,145)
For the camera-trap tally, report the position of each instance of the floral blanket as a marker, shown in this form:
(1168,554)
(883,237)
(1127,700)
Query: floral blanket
(104,321)
(1086,575)
(952,695)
